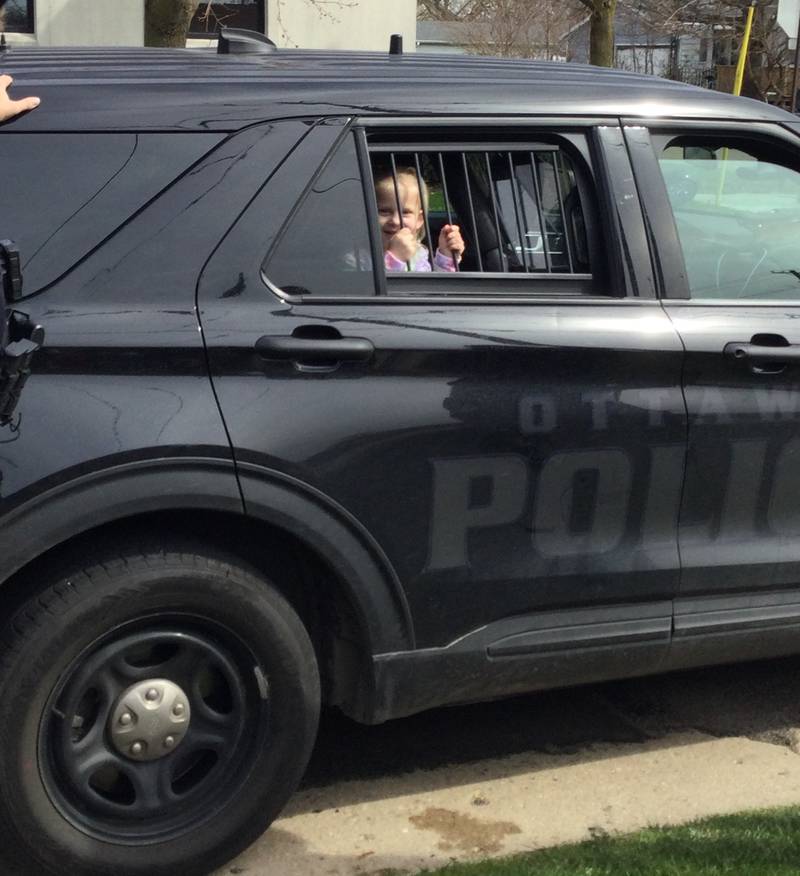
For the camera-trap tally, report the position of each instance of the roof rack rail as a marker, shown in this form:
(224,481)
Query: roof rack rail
(238,41)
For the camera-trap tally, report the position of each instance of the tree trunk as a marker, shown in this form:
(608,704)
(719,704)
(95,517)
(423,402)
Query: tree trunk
(166,22)
(601,33)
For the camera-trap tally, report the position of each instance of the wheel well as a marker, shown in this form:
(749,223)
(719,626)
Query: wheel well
(304,578)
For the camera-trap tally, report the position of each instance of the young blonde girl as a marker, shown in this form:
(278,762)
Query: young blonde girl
(402,236)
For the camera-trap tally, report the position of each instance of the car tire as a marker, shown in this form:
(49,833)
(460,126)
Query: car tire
(101,665)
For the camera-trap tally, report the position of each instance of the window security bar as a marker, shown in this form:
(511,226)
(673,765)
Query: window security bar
(422,187)
(559,170)
(516,197)
(399,206)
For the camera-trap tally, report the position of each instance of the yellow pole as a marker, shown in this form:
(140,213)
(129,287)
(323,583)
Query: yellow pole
(737,87)
(748,25)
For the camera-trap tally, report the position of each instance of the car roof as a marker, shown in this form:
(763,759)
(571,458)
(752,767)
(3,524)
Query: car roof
(195,89)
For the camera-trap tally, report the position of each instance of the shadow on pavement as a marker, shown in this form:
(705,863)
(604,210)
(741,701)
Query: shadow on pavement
(759,700)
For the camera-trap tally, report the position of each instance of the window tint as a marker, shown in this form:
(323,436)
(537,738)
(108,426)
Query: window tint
(63,194)
(518,211)
(737,209)
(324,248)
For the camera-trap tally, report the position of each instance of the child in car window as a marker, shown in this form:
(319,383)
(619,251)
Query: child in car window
(402,240)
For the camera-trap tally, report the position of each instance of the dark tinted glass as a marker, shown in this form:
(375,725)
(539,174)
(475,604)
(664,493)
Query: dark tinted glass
(63,194)
(324,249)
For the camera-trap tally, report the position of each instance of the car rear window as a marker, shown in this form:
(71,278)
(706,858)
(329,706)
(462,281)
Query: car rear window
(63,194)
(524,209)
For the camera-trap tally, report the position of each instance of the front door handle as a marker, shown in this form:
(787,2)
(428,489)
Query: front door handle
(328,350)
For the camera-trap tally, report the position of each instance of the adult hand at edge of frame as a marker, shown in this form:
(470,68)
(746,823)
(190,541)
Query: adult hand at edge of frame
(10,108)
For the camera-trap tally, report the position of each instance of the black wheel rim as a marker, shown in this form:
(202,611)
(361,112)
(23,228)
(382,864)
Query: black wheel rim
(107,794)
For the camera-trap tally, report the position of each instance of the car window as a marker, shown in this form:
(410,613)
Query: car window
(324,247)
(517,210)
(737,211)
(525,212)
(68,192)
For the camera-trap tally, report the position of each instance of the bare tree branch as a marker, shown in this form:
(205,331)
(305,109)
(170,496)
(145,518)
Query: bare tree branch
(513,28)
(323,7)
(507,27)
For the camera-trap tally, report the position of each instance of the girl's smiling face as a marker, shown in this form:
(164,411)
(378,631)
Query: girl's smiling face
(410,203)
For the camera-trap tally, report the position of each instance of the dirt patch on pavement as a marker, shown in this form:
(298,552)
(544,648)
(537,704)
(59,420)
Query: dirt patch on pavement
(464,832)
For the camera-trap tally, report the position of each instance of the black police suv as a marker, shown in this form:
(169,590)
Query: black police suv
(255,457)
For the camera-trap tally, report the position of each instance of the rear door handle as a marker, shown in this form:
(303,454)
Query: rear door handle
(319,349)
(737,350)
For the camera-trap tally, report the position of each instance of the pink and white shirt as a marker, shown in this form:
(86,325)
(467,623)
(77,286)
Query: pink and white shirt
(420,262)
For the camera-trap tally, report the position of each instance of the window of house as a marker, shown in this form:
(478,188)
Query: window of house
(523,212)
(16,16)
(737,210)
(209,17)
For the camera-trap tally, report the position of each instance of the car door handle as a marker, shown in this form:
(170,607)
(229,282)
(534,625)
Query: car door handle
(318,349)
(738,350)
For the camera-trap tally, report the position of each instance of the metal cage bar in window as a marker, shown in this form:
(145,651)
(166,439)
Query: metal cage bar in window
(398,205)
(447,206)
(421,185)
(495,213)
(522,233)
(472,212)
(497,195)
(537,188)
(558,166)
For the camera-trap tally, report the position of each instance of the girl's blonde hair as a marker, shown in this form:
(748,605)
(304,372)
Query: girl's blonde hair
(384,175)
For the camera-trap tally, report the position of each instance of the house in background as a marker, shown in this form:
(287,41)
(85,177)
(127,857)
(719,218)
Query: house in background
(353,24)
(442,37)
(642,47)
(541,40)
(73,22)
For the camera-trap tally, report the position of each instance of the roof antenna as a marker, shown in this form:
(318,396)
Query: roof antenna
(3,46)
(396,44)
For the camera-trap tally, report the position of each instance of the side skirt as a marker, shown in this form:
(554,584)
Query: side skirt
(532,652)
(583,646)
(732,628)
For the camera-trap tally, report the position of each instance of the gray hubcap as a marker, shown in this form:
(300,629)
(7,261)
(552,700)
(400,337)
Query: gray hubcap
(149,719)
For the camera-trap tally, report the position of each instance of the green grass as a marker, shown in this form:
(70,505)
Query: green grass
(751,844)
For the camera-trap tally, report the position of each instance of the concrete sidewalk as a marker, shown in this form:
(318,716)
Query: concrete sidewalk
(528,799)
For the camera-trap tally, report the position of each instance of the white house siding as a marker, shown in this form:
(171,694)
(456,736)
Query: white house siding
(355,24)
(85,23)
